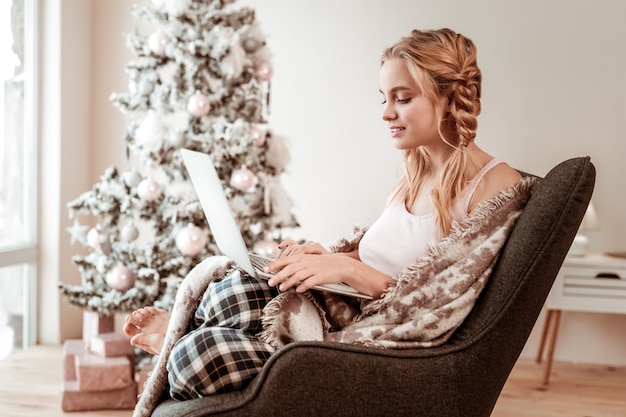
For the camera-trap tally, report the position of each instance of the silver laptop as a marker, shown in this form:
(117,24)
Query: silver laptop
(225,230)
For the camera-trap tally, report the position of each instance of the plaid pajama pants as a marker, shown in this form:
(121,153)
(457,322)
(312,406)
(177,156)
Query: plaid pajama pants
(221,352)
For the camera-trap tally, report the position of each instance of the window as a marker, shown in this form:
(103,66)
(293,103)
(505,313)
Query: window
(18,174)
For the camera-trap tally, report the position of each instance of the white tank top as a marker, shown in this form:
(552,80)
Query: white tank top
(398,238)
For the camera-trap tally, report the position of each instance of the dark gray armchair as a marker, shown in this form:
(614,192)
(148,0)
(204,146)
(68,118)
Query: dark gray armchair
(461,378)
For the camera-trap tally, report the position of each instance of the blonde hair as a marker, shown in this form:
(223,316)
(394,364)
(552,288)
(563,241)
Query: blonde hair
(443,63)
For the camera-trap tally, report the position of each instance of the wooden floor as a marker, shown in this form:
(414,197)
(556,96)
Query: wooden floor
(30,386)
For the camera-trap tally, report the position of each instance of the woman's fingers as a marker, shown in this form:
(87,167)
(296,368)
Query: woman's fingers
(300,271)
(287,247)
(286,242)
(290,247)
(287,268)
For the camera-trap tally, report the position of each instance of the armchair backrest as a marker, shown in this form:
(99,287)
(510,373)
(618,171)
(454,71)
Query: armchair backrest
(508,308)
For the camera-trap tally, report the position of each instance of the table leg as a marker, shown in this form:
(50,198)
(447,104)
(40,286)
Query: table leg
(544,335)
(554,329)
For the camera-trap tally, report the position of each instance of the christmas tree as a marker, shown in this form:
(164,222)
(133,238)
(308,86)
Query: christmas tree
(200,81)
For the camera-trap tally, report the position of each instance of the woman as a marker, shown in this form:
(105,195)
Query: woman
(430,85)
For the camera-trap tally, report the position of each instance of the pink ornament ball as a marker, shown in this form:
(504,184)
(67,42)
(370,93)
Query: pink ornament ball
(264,71)
(266,247)
(198,105)
(258,136)
(158,41)
(190,240)
(121,278)
(242,179)
(149,190)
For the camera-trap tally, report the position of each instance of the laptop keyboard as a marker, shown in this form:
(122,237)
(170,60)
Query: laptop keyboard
(258,261)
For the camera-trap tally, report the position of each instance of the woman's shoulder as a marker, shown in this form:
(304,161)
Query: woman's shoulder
(500,177)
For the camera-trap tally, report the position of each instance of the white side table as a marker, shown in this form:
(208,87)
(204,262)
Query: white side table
(590,283)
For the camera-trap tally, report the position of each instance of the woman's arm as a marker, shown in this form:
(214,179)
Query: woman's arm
(354,254)
(305,270)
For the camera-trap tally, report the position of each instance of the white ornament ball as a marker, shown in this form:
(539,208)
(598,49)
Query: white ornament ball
(266,247)
(95,239)
(250,44)
(264,71)
(145,87)
(198,105)
(258,136)
(190,240)
(177,138)
(129,233)
(150,132)
(149,190)
(242,179)
(121,278)
(132,178)
(158,41)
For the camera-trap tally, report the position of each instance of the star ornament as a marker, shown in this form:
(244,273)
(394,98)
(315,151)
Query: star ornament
(78,232)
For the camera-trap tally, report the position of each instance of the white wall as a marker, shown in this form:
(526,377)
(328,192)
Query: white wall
(553,89)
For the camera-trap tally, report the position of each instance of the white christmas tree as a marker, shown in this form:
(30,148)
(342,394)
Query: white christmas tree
(200,81)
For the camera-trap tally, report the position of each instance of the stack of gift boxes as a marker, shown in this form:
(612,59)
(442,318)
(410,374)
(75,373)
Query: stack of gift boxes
(99,371)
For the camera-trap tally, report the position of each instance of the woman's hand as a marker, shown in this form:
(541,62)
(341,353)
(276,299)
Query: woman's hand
(307,266)
(310,264)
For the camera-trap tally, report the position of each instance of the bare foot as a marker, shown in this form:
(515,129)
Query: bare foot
(146,328)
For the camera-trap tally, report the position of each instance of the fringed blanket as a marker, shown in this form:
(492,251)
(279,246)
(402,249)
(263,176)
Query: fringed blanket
(421,308)
(424,304)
